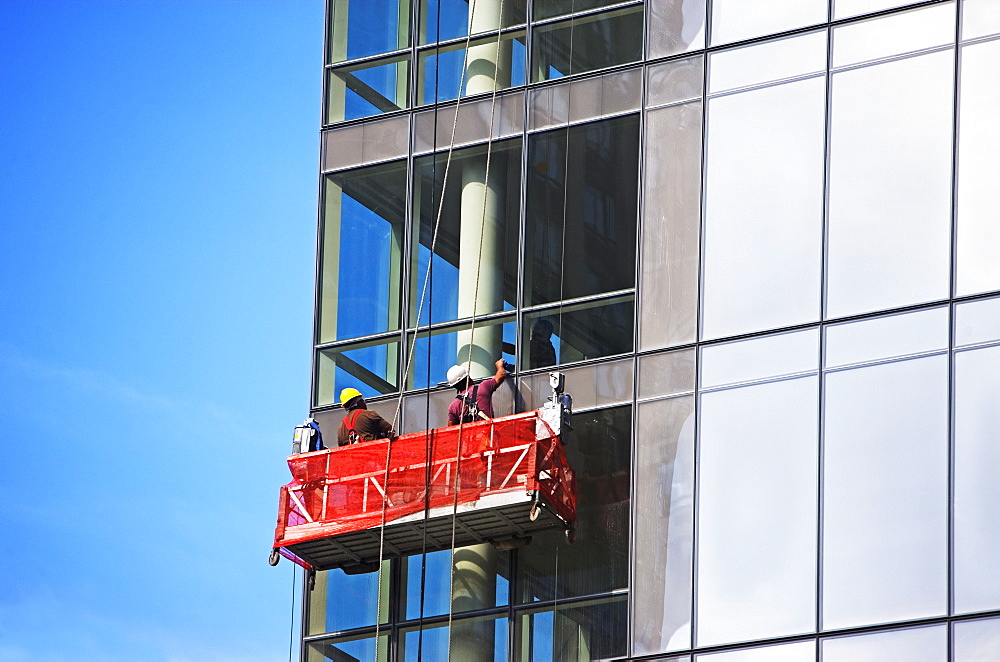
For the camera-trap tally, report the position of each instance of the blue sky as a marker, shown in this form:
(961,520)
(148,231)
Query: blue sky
(157,235)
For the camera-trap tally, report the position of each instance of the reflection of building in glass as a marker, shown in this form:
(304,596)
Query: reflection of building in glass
(760,239)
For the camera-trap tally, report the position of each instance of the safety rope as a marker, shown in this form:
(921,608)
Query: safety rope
(472,325)
(291,624)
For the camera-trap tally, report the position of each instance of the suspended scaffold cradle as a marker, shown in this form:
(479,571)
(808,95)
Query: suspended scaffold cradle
(497,481)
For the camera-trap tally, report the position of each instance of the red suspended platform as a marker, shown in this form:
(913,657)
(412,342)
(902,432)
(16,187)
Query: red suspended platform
(494,481)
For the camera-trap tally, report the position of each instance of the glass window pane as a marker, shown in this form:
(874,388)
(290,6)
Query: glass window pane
(977,491)
(597,385)
(481,639)
(885,535)
(667,373)
(760,358)
(977,322)
(887,337)
(671,226)
(764,208)
(593,42)
(890,182)
(767,62)
(449,19)
(482,580)
(980,18)
(551,8)
(929,644)
(578,332)
(675,26)
(674,81)
(444,347)
(978,233)
(803,651)
(356,647)
(581,208)
(976,641)
(757,509)
(367,89)
(363,218)
(580,632)
(370,367)
(735,20)
(599,450)
(489,66)
(847,8)
(892,35)
(340,601)
(664,500)
(359,28)
(475,252)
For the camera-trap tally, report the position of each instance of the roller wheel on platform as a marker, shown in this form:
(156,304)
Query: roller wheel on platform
(274,557)
(570,535)
(311,579)
(534,512)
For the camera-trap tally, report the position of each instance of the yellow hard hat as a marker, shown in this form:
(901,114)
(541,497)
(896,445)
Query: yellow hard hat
(347,395)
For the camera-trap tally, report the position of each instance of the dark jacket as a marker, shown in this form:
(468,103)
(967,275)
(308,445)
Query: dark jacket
(367,424)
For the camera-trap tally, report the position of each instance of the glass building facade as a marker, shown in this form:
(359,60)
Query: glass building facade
(760,237)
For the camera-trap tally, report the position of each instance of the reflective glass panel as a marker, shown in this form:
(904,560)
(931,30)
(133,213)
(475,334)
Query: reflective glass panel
(366,89)
(433,354)
(363,218)
(481,580)
(340,601)
(980,18)
(675,26)
(893,35)
(577,332)
(595,385)
(760,358)
(599,450)
(489,66)
(578,632)
(551,8)
(475,252)
(890,182)
(449,19)
(928,644)
(357,647)
(674,81)
(764,63)
(671,226)
(976,641)
(804,651)
(581,210)
(885,337)
(885,535)
(482,639)
(977,491)
(764,209)
(977,322)
(370,367)
(359,28)
(757,509)
(664,505)
(978,233)
(735,20)
(592,42)
(667,373)
(847,8)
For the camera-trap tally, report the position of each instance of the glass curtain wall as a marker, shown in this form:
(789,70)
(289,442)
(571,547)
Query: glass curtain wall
(759,239)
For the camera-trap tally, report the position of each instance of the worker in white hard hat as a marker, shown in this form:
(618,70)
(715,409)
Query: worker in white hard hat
(474,402)
(361,423)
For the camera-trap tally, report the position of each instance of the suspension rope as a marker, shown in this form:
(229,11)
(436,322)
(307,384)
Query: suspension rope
(291,623)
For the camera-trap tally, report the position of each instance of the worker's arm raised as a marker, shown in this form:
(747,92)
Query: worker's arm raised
(501,372)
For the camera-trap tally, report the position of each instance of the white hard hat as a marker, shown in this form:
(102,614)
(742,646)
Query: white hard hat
(457,374)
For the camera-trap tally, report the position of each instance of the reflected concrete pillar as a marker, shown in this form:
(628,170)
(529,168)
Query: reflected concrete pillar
(481,251)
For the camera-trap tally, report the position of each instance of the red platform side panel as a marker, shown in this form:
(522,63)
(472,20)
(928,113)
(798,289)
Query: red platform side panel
(343,490)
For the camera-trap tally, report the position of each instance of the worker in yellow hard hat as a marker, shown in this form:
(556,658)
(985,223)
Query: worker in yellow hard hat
(360,424)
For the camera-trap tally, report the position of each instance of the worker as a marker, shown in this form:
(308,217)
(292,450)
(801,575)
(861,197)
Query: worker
(541,351)
(360,424)
(474,402)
